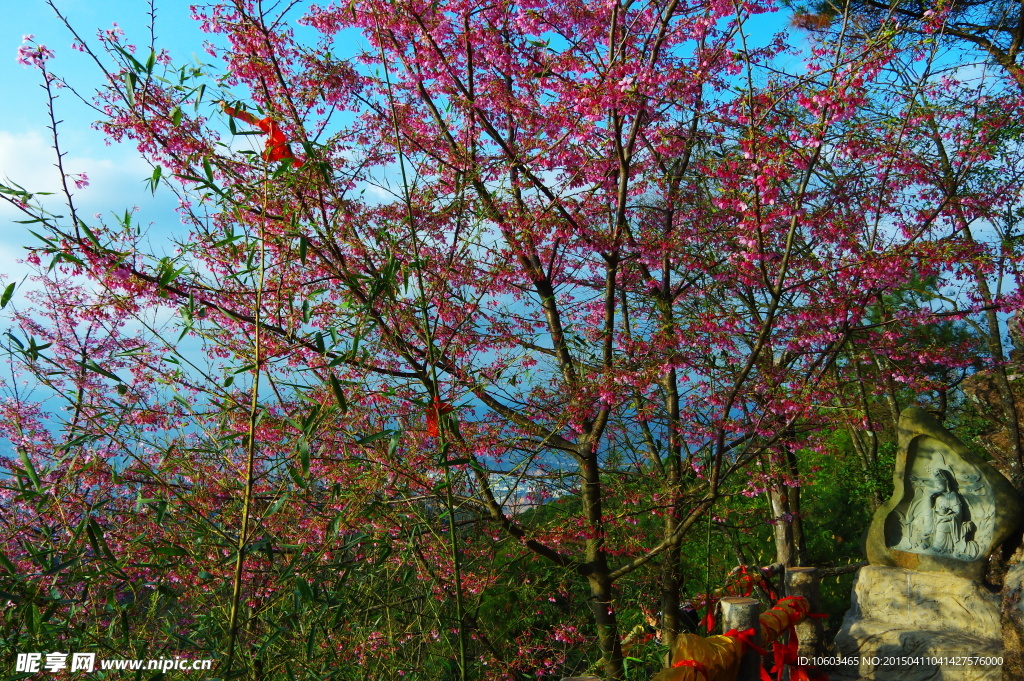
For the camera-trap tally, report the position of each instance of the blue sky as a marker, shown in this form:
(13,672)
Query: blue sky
(116,172)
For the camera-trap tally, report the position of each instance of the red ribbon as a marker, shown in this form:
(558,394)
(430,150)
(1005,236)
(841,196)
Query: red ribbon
(747,638)
(765,572)
(277,147)
(746,580)
(709,617)
(701,669)
(801,605)
(434,410)
(742,581)
(786,654)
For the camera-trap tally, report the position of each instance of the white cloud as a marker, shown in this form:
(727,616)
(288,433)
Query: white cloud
(116,184)
(28,159)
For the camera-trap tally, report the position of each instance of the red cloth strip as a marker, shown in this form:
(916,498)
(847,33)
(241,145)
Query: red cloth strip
(701,669)
(747,638)
(276,147)
(434,410)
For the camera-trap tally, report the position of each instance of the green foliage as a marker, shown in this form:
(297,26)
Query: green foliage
(838,508)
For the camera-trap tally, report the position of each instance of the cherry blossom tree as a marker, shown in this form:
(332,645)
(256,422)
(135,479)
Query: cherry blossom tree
(615,259)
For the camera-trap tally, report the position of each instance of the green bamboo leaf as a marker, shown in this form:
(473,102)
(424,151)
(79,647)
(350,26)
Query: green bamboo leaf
(310,420)
(91,236)
(8,596)
(373,438)
(34,348)
(7,564)
(64,257)
(187,640)
(167,591)
(29,468)
(125,628)
(296,476)
(154,180)
(270,639)
(339,394)
(6,296)
(310,642)
(303,449)
(129,84)
(93,366)
(136,64)
(97,539)
(172,550)
(302,586)
(60,566)
(161,511)
(276,506)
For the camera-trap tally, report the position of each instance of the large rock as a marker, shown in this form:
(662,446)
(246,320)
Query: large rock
(920,611)
(949,509)
(911,626)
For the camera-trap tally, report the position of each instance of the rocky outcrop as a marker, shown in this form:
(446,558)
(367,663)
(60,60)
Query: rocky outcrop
(920,611)
(917,626)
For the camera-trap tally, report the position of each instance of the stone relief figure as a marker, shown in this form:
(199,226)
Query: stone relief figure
(949,509)
(937,521)
(951,526)
(917,521)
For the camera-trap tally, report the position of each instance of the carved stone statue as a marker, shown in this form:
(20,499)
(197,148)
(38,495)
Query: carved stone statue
(937,521)
(951,527)
(922,596)
(949,508)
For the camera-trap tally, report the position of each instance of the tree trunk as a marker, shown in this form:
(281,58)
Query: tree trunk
(799,541)
(785,546)
(607,627)
(671,607)
(790,548)
(890,391)
(605,618)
